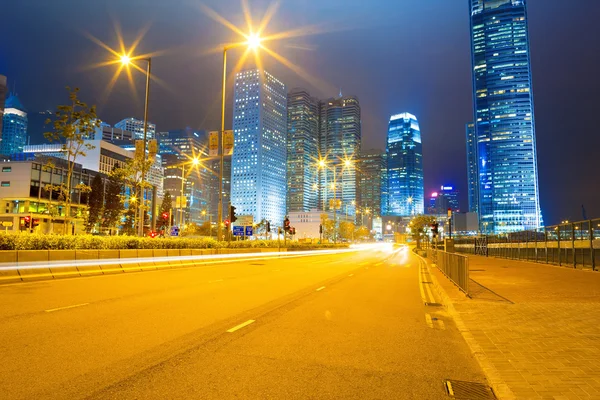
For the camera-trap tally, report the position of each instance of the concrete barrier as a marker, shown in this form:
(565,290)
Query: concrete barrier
(63,255)
(8,274)
(146,253)
(25,257)
(173,253)
(110,268)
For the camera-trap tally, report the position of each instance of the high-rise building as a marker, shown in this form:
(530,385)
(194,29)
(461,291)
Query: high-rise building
(472,178)
(504,116)
(302,151)
(179,147)
(258,171)
(371,181)
(446,198)
(14,126)
(3,91)
(339,144)
(137,127)
(404,166)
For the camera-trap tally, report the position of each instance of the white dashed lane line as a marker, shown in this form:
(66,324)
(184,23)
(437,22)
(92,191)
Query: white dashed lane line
(321,288)
(240,326)
(66,307)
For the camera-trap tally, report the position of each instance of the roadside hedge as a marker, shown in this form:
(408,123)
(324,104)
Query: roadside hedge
(34,241)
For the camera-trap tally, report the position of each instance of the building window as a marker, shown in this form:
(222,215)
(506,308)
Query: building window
(5,184)
(6,169)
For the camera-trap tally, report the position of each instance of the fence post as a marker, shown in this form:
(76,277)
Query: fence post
(546,243)
(592,252)
(573,245)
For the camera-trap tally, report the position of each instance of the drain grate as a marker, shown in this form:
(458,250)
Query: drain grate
(433,304)
(461,390)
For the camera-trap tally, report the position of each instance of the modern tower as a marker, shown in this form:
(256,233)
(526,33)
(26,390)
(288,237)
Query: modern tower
(302,151)
(14,126)
(404,166)
(3,91)
(258,170)
(371,181)
(339,142)
(472,178)
(504,116)
(137,127)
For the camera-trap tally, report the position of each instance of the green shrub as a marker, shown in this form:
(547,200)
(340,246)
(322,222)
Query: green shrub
(35,241)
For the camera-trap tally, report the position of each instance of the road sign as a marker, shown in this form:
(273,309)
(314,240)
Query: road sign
(249,231)
(238,231)
(174,231)
(244,220)
(7,224)
(180,202)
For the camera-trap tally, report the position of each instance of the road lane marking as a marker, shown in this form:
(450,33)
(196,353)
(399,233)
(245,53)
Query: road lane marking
(450,390)
(351,275)
(365,263)
(66,307)
(240,326)
(378,264)
(428,320)
(421,285)
(321,288)
(216,280)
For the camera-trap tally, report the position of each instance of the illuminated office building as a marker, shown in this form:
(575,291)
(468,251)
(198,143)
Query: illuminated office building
(137,127)
(405,193)
(508,196)
(14,126)
(258,170)
(472,178)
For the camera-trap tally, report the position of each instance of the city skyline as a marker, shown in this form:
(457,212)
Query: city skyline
(378,102)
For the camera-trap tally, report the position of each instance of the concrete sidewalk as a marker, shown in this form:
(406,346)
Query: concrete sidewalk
(537,327)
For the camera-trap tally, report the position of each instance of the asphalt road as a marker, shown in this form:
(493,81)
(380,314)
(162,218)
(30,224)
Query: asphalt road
(344,326)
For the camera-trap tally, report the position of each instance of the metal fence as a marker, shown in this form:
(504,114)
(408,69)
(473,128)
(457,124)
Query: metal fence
(454,266)
(574,244)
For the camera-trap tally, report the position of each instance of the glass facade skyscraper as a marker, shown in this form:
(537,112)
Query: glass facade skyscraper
(371,181)
(3,91)
(472,177)
(258,171)
(302,151)
(504,116)
(405,192)
(14,126)
(137,127)
(339,140)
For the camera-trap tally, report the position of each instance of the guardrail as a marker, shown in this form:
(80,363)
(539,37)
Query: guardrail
(574,244)
(454,266)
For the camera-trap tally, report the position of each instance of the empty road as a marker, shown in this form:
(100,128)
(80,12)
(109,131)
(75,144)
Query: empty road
(337,326)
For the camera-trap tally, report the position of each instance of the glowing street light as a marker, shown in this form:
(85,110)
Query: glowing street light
(254,41)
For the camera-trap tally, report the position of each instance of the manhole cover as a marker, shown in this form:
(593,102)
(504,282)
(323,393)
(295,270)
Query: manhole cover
(433,304)
(461,390)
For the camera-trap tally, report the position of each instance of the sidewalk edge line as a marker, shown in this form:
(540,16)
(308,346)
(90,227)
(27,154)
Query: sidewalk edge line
(501,389)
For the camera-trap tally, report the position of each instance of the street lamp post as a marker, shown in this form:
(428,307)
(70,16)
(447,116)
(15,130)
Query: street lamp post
(125,60)
(253,42)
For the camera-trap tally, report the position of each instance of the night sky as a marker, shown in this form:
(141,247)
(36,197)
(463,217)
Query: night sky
(395,55)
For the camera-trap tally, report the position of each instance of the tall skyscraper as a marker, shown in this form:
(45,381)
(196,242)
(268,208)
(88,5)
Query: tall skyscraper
(371,181)
(137,127)
(504,116)
(14,126)
(302,151)
(3,91)
(339,141)
(258,171)
(440,202)
(472,178)
(404,166)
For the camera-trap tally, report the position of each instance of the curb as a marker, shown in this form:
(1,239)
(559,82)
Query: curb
(500,388)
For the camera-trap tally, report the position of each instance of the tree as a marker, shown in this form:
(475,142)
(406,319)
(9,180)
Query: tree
(129,223)
(347,230)
(132,173)
(165,207)
(73,124)
(114,204)
(418,227)
(362,233)
(329,229)
(95,203)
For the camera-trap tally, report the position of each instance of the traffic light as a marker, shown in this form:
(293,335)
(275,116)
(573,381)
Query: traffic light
(226,223)
(320,228)
(268,227)
(434,228)
(232,216)
(165,216)
(27,222)
(286,224)
(35,222)
(292,231)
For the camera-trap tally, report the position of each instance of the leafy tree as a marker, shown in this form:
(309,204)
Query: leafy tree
(95,203)
(114,204)
(418,227)
(166,207)
(362,233)
(73,124)
(132,173)
(329,228)
(347,230)
(129,223)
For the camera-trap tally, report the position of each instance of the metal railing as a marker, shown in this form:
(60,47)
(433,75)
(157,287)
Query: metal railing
(454,266)
(574,244)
